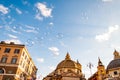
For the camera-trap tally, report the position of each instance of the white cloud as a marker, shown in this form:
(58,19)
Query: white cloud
(30,27)
(3,9)
(41,60)
(31,31)
(102,37)
(107,0)
(14,31)
(43,10)
(12,36)
(106,36)
(55,50)
(16,41)
(18,11)
(113,28)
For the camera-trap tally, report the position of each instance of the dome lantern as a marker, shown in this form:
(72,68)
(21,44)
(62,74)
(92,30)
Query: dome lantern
(116,55)
(67,56)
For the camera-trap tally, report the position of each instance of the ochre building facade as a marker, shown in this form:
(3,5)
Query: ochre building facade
(16,63)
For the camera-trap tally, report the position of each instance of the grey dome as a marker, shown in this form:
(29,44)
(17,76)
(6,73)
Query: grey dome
(114,64)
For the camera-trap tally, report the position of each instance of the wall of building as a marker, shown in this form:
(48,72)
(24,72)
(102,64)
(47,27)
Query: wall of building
(18,63)
(70,78)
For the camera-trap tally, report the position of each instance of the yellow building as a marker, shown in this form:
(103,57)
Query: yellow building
(15,62)
(67,70)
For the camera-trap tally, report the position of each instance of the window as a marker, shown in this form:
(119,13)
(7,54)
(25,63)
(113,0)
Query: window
(26,69)
(26,57)
(1,71)
(28,62)
(23,54)
(4,59)
(7,50)
(17,51)
(115,73)
(14,60)
(21,63)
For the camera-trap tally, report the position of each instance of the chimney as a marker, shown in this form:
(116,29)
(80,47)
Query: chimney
(2,42)
(12,43)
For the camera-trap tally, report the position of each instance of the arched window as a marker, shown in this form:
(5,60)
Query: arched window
(1,71)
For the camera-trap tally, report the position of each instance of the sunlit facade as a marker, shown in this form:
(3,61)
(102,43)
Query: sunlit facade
(15,62)
(112,72)
(67,70)
(100,73)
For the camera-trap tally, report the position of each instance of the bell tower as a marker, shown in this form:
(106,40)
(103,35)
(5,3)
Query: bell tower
(101,70)
(116,55)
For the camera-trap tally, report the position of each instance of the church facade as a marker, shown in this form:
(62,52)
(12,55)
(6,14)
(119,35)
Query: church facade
(66,70)
(112,72)
(100,73)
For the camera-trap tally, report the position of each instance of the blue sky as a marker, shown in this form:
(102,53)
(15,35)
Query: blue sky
(49,29)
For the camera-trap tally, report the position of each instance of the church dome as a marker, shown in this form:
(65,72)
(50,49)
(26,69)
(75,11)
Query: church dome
(68,63)
(114,64)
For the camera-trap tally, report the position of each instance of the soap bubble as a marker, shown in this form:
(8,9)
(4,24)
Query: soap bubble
(39,40)
(59,35)
(30,42)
